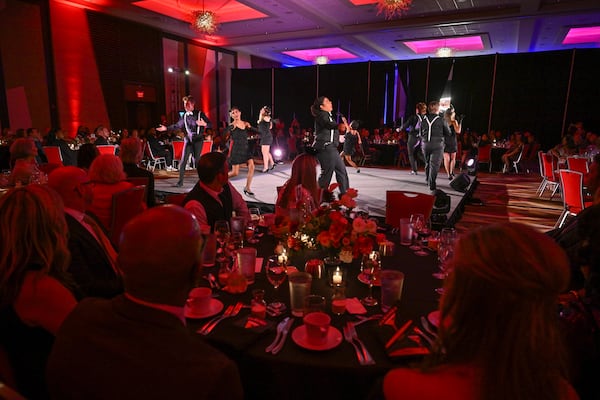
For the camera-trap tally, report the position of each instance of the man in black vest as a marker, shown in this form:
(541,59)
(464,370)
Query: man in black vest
(213,198)
(434,130)
(192,123)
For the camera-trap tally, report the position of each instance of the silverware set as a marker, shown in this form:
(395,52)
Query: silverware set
(230,311)
(283,329)
(351,336)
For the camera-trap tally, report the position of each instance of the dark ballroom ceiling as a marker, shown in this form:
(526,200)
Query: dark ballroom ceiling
(268,28)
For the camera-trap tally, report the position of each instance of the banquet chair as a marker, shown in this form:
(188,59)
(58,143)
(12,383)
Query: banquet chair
(54,155)
(153,161)
(107,148)
(206,148)
(177,152)
(484,156)
(517,160)
(176,198)
(401,204)
(572,189)
(126,204)
(549,166)
(579,164)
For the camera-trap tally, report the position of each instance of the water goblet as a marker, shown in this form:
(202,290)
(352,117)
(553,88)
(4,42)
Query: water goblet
(276,274)
(252,225)
(370,268)
(417,221)
(445,254)
(222,233)
(423,232)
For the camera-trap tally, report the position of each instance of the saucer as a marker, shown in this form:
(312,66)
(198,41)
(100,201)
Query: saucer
(362,277)
(214,308)
(434,318)
(334,338)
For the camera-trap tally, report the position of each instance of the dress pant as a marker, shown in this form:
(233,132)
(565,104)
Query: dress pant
(434,154)
(194,148)
(331,162)
(414,151)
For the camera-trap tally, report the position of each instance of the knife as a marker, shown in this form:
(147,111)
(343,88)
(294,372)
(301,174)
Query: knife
(284,333)
(280,327)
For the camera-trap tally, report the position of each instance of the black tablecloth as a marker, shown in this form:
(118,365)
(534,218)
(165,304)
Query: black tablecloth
(297,373)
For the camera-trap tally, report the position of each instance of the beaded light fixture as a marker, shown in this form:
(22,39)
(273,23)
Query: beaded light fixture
(392,8)
(204,21)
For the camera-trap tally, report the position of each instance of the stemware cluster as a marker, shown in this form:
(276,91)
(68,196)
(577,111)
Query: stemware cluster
(422,230)
(448,238)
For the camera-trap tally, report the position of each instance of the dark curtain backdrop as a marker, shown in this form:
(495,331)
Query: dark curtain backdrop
(530,90)
(251,90)
(530,94)
(471,90)
(295,91)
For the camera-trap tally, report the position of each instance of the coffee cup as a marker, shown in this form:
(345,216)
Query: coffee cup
(317,327)
(198,300)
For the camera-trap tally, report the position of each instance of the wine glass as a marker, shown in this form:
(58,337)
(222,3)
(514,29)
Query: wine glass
(222,234)
(417,221)
(423,231)
(276,274)
(252,225)
(370,268)
(445,254)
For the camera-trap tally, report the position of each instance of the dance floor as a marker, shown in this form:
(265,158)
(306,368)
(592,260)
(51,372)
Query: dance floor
(371,183)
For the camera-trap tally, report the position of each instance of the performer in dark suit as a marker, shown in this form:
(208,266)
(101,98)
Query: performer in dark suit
(326,144)
(136,346)
(192,123)
(434,130)
(93,263)
(413,123)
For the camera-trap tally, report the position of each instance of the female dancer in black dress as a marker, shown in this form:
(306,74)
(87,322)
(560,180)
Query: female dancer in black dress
(238,151)
(266,137)
(450,144)
(351,138)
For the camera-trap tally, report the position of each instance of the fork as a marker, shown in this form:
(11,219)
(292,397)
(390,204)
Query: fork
(235,311)
(348,338)
(367,356)
(227,312)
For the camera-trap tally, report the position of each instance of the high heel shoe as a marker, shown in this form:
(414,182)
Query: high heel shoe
(272,167)
(248,192)
(265,171)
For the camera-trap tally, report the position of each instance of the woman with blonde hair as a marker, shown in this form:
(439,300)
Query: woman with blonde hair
(36,293)
(266,137)
(301,187)
(107,177)
(499,335)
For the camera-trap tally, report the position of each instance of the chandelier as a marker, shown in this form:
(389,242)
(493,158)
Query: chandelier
(204,21)
(391,8)
(444,52)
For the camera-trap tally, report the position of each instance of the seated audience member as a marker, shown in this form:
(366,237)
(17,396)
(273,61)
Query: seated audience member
(93,259)
(22,159)
(136,346)
(131,155)
(513,152)
(86,155)
(214,197)
(499,336)
(101,133)
(108,178)
(565,149)
(56,137)
(34,134)
(302,189)
(35,290)
(158,149)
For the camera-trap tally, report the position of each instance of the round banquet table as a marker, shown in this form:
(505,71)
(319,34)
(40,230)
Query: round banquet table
(298,373)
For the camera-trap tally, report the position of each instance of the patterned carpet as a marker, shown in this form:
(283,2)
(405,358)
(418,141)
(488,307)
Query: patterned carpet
(510,198)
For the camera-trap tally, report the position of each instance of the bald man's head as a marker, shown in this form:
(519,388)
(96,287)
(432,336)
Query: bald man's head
(159,251)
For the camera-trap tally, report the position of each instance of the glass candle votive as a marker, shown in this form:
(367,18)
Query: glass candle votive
(337,276)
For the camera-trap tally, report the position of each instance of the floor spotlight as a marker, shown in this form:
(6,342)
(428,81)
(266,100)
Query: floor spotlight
(278,155)
(472,166)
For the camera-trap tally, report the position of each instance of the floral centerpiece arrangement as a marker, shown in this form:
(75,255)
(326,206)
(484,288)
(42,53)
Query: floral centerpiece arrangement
(332,227)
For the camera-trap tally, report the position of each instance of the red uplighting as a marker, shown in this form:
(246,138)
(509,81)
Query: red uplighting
(461,43)
(589,34)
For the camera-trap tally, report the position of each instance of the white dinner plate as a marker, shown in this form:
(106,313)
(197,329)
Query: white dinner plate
(334,338)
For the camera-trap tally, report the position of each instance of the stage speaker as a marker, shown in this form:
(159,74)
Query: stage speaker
(460,183)
(441,204)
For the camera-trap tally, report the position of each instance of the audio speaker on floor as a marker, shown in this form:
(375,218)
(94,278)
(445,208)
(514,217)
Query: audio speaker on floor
(460,183)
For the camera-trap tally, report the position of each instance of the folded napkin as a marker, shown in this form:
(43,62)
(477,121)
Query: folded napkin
(258,265)
(354,306)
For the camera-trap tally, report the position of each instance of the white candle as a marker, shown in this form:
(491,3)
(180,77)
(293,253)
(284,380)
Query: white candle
(337,278)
